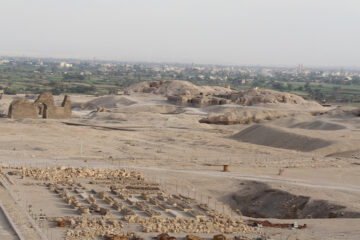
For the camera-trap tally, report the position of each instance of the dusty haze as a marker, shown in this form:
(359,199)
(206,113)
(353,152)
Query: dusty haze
(203,31)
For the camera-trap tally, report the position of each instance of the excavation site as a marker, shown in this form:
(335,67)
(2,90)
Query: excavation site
(173,160)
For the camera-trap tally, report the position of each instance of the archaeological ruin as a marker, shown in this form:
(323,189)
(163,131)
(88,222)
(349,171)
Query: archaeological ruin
(43,107)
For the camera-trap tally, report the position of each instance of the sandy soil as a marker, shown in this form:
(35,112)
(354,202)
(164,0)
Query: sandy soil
(5,230)
(167,142)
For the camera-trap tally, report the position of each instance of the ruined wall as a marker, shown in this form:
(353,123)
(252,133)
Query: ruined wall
(197,101)
(43,106)
(47,108)
(59,112)
(66,105)
(44,100)
(22,108)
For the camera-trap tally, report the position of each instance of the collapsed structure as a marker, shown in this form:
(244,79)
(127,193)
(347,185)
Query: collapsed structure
(245,98)
(43,107)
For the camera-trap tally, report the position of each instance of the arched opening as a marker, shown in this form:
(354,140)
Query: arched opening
(44,110)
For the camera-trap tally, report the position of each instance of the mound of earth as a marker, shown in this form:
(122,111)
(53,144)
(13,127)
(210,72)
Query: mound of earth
(257,95)
(243,116)
(106,102)
(279,138)
(318,125)
(176,88)
(274,203)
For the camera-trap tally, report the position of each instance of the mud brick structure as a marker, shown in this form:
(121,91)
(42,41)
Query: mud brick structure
(43,107)
(22,108)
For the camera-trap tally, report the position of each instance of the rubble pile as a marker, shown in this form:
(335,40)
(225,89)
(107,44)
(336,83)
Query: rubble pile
(65,174)
(197,101)
(89,228)
(190,225)
(110,202)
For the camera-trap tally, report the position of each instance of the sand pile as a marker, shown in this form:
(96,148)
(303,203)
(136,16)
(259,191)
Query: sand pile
(279,138)
(106,102)
(243,116)
(256,96)
(318,125)
(176,88)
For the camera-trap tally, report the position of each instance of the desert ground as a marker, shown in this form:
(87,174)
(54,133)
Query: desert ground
(288,161)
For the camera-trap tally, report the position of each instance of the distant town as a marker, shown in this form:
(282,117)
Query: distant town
(22,75)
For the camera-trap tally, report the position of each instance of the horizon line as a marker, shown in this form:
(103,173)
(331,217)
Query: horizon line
(94,59)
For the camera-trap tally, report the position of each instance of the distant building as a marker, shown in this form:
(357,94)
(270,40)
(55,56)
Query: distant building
(248,80)
(300,69)
(65,65)
(4,61)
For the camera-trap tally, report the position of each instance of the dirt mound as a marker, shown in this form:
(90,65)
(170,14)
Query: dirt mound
(273,203)
(176,88)
(318,125)
(278,138)
(243,116)
(106,102)
(257,95)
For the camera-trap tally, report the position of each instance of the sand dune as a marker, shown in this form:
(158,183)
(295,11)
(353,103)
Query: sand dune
(279,138)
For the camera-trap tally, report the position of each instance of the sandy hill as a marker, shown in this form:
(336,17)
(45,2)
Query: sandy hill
(279,138)
(176,88)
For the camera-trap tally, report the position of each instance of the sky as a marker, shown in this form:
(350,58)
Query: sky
(237,32)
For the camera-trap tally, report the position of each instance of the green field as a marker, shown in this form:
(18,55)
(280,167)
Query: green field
(85,78)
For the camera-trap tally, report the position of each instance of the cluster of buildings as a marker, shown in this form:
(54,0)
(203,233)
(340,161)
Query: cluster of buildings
(191,72)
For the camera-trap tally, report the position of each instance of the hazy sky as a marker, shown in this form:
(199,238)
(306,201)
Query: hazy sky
(267,32)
